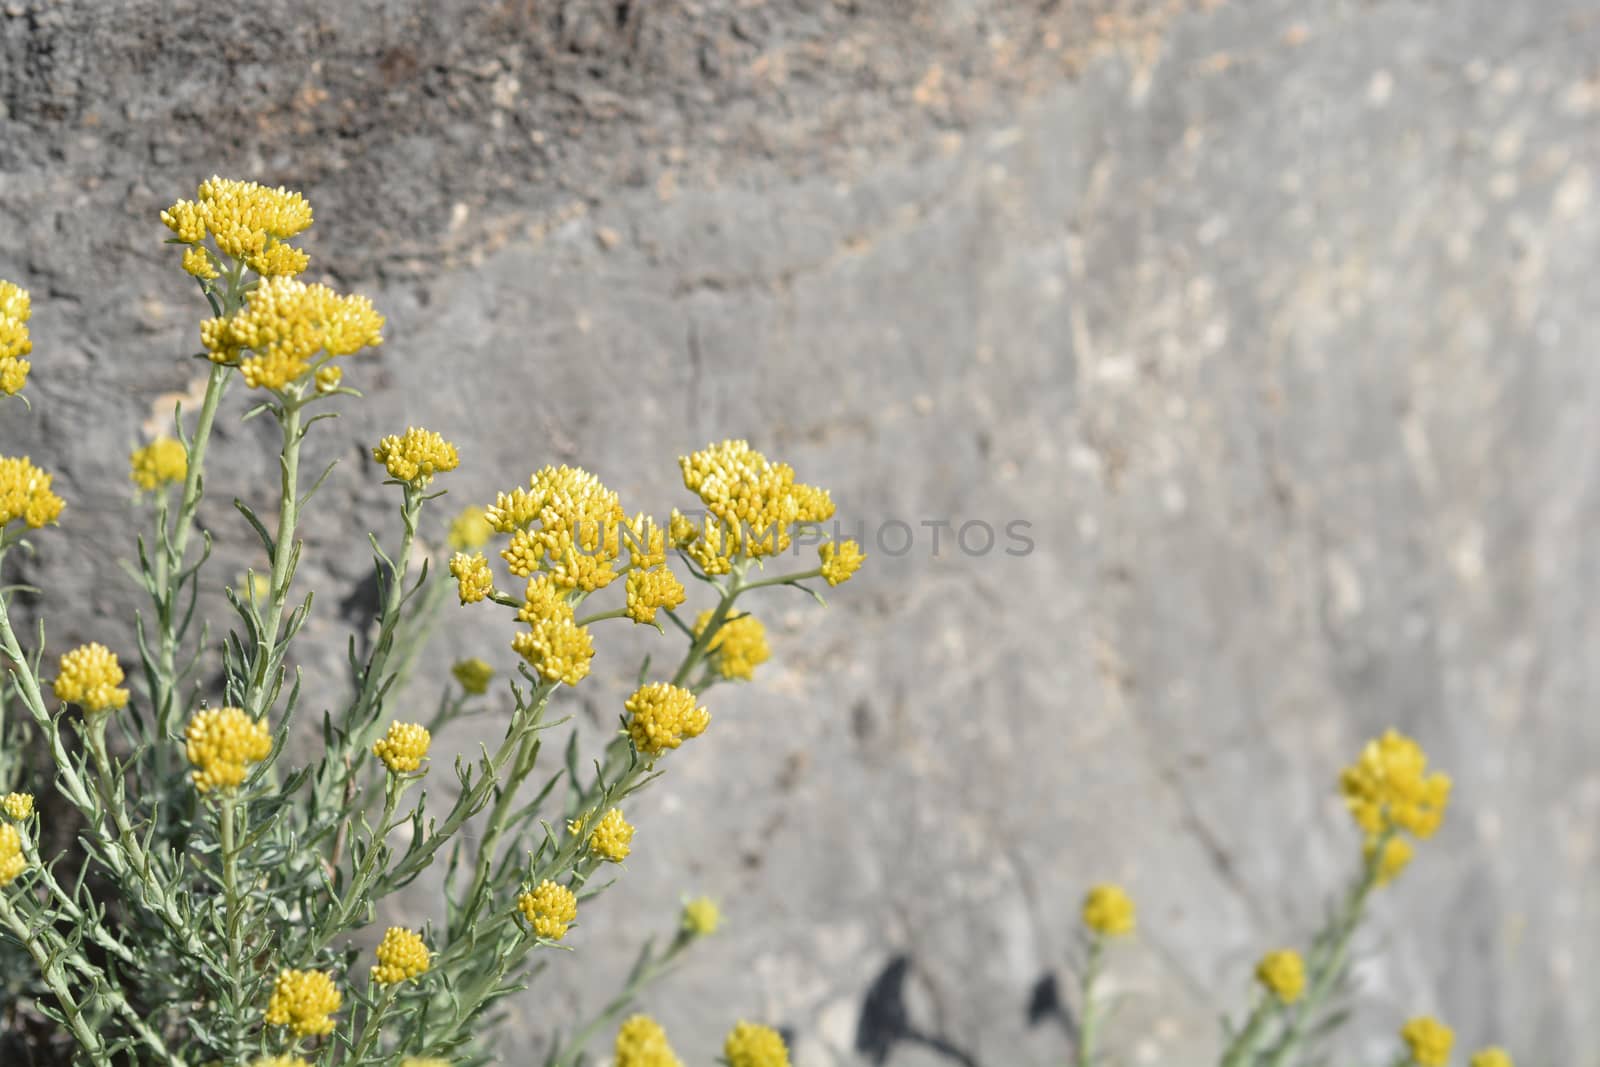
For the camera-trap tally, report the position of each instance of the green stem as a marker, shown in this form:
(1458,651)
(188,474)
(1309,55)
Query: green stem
(373,1025)
(609,1015)
(1089,1025)
(55,979)
(1243,1046)
(226,813)
(267,651)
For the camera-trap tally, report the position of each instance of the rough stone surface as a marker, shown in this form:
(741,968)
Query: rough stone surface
(1273,319)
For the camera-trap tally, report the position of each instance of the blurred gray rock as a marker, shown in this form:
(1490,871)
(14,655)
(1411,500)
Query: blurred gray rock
(1274,320)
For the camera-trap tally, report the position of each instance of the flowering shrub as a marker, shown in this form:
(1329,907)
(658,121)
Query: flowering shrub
(1391,796)
(215,913)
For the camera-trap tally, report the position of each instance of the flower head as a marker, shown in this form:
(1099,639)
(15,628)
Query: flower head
(17,806)
(247,221)
(1109,911)
(700,917)
(88,677)
(198,263)
(286,325)
(649,590)
(753,1045)
(559,649)
(1389,788)
(470,530)
(222,743)
(642,1043)
(567,524)
(549,908)
(403,748)
(1394,859)
(738,647)
(474,580)
(304,1001)
(663,716)
(612,837)
(12,861)
(416,455)
(1284,974)
(473,674)
(402,955)
(757,502)
(25,494)
(15,309)
(840,559)
(1429,1041)
(161,462)
(285,1060)
(1491,1057)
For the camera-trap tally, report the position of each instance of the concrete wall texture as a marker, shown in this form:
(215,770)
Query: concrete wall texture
(1274,319)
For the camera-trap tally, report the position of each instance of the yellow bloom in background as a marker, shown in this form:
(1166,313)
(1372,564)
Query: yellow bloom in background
(416,455)
(424,1061)
(402,955)
(1396,855)
(15,309)
(17,805)
(286,323)
(738,647)
(663,716)
(1284,974)
(304,1001)
(25,494)
(470,530)
(641,1042)
(1388,787)
(1429,1041)
(840,560)
(612,837)
(221,744)
(700,917)
(473,674)
(1109,911)
(247,221)
(560,650)
(12,861)
(474,580)
(197,262)
(402,749)
(88,676)
(753,1045)
(549,908)
(567,524)
(1491,1057)
(651,590)
(253,586)
(161,462)
(280,1061)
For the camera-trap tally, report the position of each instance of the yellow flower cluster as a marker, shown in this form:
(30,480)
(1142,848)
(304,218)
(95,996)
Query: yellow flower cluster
(161,462)
(12,861)
(1396,856)
(663,716)
(474,580)
(612,838)
(753,1045)
(470,530)
(247,221)
(642,1043)
(554,645)
(549,908)
(757,504)
(17,805)
(700,917)
(403,748)
(15,310)
(424,1061)
(473,674)
(1389,788)
(649,590)
(304,1001)
(1491,1057)
(840,560)
(285,1060)
(1429,1041)
(1283,973)
(88,676)
(738,647)
(25,494)
(1109,911)
(566,523)
(402,955)
(221,744)
(416,455)
(286,323)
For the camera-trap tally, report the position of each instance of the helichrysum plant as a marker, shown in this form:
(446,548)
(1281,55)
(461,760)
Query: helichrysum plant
(1394,800)
(223,906)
